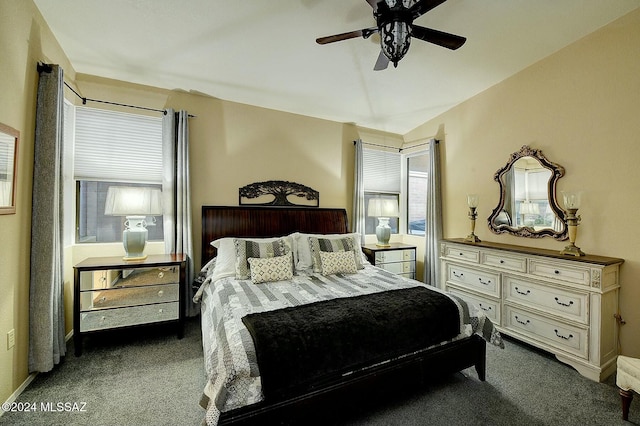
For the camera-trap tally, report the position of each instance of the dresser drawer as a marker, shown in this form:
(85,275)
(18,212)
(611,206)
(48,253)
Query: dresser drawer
(395,256)
(566,337)
(560,271)
(469,254)
(490,307)
(503,261)
(479,280)
(129,296)
(122,317)
(572,305)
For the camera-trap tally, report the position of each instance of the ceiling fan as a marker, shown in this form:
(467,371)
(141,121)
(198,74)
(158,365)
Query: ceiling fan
(394,22)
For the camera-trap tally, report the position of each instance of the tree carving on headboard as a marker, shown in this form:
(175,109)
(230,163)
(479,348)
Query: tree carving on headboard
(281,191)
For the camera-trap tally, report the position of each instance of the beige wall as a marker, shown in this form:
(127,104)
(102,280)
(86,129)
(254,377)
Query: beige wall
(25,39)
(580,107)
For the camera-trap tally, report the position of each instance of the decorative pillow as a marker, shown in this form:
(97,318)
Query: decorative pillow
(338,262)
(248,248)
(267,269)
(304,259)
(318,245)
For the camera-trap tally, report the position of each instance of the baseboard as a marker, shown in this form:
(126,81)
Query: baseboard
(12,398)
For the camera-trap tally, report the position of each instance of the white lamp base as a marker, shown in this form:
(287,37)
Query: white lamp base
(383,232)
(134,238)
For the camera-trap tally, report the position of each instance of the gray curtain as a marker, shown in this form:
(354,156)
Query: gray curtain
(177,195)
(433,226)
(46,298)
(358,193)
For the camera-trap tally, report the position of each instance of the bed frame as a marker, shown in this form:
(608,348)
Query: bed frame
(247,221)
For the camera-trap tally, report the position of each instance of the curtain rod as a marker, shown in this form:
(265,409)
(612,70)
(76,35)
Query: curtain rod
(47,68)
(393,147)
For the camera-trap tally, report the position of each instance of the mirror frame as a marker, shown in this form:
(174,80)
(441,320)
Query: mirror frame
(10,131)
(557,172)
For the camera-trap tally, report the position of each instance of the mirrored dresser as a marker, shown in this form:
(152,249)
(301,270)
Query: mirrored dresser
(110,293)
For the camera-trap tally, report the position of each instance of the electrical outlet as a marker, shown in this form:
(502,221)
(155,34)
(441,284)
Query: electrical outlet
(11,339)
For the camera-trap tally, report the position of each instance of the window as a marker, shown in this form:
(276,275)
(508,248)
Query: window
(382,178)
(113,148)
(417,175)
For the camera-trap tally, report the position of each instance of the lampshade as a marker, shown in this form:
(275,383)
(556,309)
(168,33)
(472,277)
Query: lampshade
(571,199)
(472,200)
(382,207)
(132,201)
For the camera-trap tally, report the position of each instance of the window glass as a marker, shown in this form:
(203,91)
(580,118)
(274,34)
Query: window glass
(417,175)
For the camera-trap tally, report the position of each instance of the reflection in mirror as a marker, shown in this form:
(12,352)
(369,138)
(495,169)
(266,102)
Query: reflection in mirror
(8,160)
(528,205)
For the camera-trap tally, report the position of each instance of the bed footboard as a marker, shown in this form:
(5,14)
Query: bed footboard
(432,363)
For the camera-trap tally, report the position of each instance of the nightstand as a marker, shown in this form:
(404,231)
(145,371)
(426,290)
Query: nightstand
(111,293)
(398,258)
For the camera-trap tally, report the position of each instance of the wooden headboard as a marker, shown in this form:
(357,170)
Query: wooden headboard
(246,221)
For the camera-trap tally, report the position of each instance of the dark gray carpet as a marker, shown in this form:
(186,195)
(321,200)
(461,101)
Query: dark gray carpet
(155,379)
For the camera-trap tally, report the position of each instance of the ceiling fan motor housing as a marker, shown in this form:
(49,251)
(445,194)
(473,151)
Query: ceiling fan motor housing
(394,24)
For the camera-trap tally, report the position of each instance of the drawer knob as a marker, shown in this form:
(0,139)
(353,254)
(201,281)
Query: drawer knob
(562,303)
(461,254)
(527,322)
(161,274)
(160,310)
(525,293)
(160,293)
(556,272)
(501,261)
(563,337)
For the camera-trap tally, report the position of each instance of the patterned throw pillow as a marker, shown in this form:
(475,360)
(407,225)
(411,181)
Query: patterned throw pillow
(271,268)
(247,248)
(338,262)
(318,245)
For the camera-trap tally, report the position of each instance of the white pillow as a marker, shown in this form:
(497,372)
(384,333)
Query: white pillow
(266,269)
(338,262)
(301,245)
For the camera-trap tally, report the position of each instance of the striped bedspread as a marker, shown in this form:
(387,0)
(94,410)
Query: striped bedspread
(229,354)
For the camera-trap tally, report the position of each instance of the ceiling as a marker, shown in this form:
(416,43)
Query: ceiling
(264,53)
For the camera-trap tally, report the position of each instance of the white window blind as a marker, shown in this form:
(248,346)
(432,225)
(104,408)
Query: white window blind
(116,146)
(381,171)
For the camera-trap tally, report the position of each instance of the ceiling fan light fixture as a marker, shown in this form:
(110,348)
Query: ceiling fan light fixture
(395,40)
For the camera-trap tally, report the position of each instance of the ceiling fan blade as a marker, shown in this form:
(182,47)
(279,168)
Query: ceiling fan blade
(450,41)
(382,62)
(423,7)
(345,36)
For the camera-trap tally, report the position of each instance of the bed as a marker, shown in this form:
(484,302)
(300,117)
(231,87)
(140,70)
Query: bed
(253,322)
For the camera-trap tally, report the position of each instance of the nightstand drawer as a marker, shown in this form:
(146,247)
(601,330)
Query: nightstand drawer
(479,280)
(129,296)
(566,337)
(395,256)
(572,305)
(102,279)
(123,317)
(398,267)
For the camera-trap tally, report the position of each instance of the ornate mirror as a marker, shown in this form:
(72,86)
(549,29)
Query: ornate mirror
(528,205)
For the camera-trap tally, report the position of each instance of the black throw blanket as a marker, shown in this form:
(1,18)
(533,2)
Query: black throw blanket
(301,346)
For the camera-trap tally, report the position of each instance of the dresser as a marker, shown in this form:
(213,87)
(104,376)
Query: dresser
(397,258)
(565,305)
(111,293)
